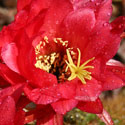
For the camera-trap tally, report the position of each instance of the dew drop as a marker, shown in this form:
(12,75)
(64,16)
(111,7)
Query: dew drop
(106,53)
(58,94)
(49,101)
(120,26)
(85,90)
(123,72)
(105,24)
(57,22)
(109,14)
(97,4)
(82,89)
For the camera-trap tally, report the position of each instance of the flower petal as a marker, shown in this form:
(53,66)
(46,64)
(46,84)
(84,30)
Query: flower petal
(114,75)
(9,54)
(105,117)
(57,119)
(63,106)
(22,3)
(37,6)
(103,9)
(89,91)
(11,76)
(6,36)
(117,68)
(118,25)
(77,26)
(14,91)
(7,111)
(42,113)
(34,25)
(3,83)
(95,107)
(54,16)
(43,95)
(19,117)
(67,89)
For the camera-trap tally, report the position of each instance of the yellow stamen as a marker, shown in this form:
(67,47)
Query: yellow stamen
(79,71)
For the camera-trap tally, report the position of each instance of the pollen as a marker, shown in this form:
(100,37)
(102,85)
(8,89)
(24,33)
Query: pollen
(53,62)
(60,41)
(79,71)
(45,62)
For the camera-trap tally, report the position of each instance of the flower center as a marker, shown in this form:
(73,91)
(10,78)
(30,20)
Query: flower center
(57,64)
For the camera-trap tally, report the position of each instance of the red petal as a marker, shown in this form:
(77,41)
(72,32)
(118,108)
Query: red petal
(67,89)
(54,16)
(95,107)
(123,35)
(7,111)
(113,41)
(43,95)
(104,43)
(98,39)
(29,118)
(77,26)
(22,102)
(20,114)
(6,36)
(3,83)
(9,54)
(115,63)
(89,91)
(117,68)
(63,106)
(57,119)
(114,75)
(118,25)
(105,117)
(19,117)
(37,6)
(42,113)
(110,81)
(20,21)
(10,76)
(22,3)
(14,91)
(103,9)
(34,26)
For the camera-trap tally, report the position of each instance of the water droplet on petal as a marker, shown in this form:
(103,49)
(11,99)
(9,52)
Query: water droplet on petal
(120,26)
(57,22)
(109,14)
(97,4)
(58,94)
(81,89)
(105,24)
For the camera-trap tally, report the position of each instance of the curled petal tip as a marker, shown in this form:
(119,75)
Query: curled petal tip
(106,118)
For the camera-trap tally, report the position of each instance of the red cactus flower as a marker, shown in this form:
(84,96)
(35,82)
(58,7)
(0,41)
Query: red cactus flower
(62,49)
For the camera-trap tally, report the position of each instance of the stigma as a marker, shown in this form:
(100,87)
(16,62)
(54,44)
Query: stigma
(79,71)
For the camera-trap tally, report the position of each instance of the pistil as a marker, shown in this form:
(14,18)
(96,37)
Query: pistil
(78,71)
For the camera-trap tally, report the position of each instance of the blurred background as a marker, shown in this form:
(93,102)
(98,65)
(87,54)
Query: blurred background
(113,101)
